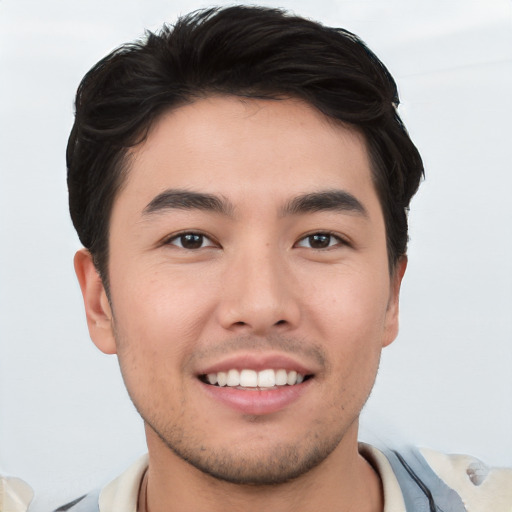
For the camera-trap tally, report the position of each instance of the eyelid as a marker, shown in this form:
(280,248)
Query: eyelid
(341,241)
(168,240)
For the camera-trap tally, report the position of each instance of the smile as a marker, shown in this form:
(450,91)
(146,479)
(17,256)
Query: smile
(252,379)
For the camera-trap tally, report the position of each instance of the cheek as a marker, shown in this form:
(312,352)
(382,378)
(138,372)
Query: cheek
(153,328)
(350,307)
(158,319)
(351,320)
(162,299)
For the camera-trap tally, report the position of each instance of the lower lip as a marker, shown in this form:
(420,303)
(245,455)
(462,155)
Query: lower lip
(257,401)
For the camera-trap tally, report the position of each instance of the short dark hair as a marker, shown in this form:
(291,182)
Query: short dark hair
(244,51)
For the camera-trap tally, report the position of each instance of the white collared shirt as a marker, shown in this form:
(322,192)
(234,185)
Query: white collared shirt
(481,489)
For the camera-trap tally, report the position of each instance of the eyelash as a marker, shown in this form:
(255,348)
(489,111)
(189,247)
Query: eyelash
(180,237)
(339,241)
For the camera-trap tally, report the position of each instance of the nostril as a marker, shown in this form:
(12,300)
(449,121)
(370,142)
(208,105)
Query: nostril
(280,322)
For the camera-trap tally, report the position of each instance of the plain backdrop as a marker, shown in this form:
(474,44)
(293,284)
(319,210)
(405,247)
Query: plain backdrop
(66,423)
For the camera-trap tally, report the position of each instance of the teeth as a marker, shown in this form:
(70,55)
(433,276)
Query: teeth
(249,379)
(233,378)
(281,378)
(291,378)
(222,378)
(252,379)
(267,379)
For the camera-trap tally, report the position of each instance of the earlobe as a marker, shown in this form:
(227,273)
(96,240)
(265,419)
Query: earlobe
(97,307)
(392,313)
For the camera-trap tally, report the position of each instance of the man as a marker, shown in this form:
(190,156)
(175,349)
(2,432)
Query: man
(240,183)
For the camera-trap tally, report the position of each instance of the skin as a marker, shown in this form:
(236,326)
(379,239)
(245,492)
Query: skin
(255,286)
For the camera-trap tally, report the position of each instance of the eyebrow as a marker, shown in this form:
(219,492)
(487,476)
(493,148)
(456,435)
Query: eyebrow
(326,200)
(174,199)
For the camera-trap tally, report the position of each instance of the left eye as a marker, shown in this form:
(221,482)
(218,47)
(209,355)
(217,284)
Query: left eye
(191,241)
(319,241)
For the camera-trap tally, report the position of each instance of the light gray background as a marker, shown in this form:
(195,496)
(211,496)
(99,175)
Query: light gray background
(66,423)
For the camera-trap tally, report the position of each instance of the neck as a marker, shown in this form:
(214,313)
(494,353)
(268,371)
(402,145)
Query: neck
(343,482)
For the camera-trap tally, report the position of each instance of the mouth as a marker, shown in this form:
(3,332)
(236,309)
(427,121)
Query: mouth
(257,384)
(252,380)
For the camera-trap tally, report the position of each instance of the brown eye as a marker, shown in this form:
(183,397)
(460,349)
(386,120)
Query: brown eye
(320,241)
(191,241)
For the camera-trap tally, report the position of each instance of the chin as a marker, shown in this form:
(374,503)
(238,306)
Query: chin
(273,463)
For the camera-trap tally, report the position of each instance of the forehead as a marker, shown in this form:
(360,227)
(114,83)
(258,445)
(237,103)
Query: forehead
(239,147)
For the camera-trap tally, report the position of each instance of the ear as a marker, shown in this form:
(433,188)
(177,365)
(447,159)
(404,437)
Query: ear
(392,313)
(97,307)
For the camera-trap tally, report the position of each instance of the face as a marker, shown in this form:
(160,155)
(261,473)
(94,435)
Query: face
(250,289)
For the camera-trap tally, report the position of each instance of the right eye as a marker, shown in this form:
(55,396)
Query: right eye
(190,241)
(321,240)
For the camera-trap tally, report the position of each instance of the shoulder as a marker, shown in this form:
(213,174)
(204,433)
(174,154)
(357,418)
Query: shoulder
(120,494)
(15,494)
(453,482)
(481,488)
(85,503)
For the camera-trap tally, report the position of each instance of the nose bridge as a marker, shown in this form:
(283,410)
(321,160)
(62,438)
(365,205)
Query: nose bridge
(258,292)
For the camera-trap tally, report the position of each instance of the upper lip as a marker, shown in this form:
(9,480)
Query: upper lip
(257,362)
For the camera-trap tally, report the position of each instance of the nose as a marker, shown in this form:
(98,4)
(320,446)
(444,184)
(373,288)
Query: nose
(258,295)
